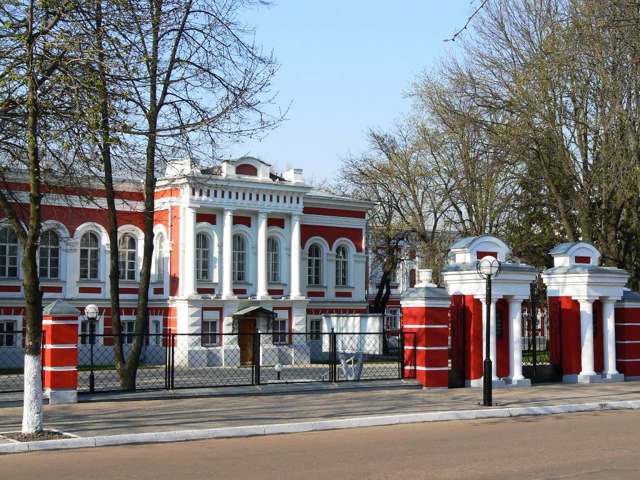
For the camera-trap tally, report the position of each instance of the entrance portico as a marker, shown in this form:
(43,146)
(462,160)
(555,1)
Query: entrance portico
(583,294)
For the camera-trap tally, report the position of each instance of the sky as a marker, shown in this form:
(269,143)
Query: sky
(345,67)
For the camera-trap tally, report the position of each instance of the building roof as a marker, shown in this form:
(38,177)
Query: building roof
(246,158)
(504,267)
(254,310)
(463,242)
(561,248)
(583,268)
(631,296)
(59,307)
(426,293)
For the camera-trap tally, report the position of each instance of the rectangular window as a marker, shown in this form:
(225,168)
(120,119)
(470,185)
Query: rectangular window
(86,328)
(155,332)
(8,333)
(128,328)
(280,330)
(210,328)
(315,329)
(392,319)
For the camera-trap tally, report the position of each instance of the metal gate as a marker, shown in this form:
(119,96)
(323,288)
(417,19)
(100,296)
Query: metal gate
(539,335)
(174,361)
(457,353)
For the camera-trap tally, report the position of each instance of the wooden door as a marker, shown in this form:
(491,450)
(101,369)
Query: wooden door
(246,332)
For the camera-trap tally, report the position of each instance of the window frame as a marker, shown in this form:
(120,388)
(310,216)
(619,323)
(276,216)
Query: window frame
(280,336)
(42,247)
(203,261)
(315,270)
(130,253)
(238,257)
(8,246)
(159,257)
(342,266)
(93,253)
(273,260)
(12,333)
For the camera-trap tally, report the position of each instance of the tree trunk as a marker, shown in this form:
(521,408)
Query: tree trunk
(105,151)
(32,421)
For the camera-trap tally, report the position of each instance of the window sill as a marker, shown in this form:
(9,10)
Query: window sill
(346,288)
(324,287)
(85,281)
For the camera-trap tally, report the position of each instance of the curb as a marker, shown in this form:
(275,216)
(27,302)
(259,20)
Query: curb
(312,426)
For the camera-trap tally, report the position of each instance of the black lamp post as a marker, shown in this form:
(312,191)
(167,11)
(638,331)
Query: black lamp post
(488,267)
(91,313)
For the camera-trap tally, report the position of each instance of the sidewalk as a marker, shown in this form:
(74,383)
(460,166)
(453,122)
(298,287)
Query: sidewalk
(99,419)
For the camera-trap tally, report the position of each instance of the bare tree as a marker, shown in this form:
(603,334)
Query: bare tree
(189,75)
(35,45)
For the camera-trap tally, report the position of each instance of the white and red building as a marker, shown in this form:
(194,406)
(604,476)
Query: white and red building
(226,239)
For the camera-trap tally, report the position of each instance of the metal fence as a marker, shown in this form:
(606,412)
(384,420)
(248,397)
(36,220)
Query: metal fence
(173,361)
(11,361)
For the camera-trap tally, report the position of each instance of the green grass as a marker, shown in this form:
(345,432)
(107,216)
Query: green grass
(541,356)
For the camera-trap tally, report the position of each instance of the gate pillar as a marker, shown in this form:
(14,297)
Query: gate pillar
(627,335)
(462,280)
(425,322)
(582,294)
(60,352)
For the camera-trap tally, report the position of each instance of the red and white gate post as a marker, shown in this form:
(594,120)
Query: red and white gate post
(581,293)
(60,352)
(425,322)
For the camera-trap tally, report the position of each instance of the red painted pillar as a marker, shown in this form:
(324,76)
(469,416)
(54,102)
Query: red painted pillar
(60,352)
(425,321)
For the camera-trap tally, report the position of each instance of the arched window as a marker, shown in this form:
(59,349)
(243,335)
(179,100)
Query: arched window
(49,255)
(127,255)
(89,256)
(273,259)
(8,253)
(314,266)
(239,258)
(202,257)
(159,250)
(342,266)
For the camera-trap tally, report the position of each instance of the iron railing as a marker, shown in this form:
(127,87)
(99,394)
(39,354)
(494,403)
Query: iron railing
(174,360)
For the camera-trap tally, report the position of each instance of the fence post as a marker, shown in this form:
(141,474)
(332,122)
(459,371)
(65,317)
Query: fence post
(401,353)
(92,340)
(172,370)
(333,357)
(256,358)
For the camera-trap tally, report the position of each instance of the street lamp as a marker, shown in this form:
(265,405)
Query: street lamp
(91,314)
(488,267)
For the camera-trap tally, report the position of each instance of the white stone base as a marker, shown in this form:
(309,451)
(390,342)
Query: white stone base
(61,397)
(519,382)
(612,377)
(478,383)
(592,378)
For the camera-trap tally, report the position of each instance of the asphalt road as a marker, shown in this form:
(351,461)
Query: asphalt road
(577,446)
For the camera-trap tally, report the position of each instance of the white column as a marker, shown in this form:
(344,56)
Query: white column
(492,341)
(227,253)
(189,252)
(609,330)
(262,291)
(586,336)
(492,337)
(515,341)
(295,257)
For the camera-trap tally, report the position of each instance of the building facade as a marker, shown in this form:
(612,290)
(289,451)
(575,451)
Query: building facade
(228,239)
